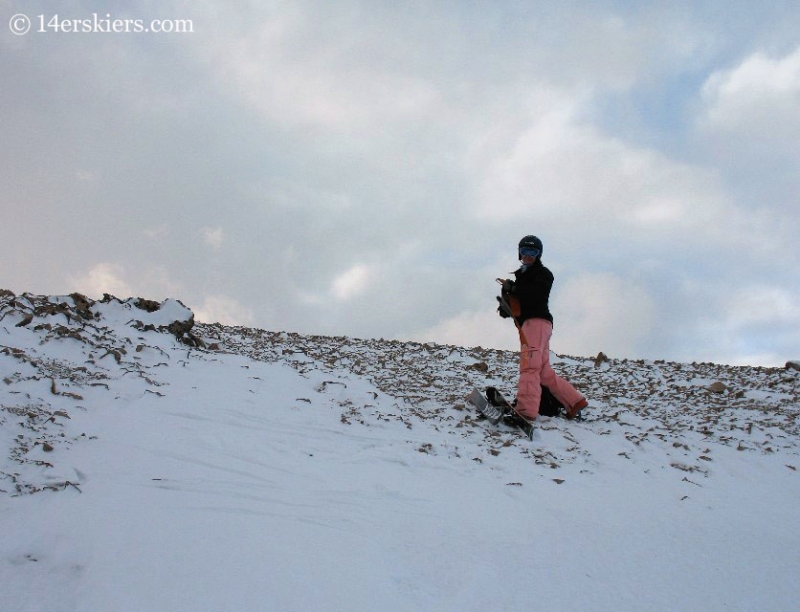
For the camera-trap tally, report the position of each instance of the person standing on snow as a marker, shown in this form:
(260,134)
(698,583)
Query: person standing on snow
(528,297)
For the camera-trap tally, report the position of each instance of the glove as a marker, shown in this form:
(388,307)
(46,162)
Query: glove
(500,310)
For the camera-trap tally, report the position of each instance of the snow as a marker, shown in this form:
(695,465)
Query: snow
(118,313)
(271,471)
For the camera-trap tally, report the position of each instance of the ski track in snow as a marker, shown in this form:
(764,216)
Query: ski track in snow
(149,466)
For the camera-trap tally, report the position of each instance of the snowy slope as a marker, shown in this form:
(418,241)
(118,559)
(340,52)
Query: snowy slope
(147,463)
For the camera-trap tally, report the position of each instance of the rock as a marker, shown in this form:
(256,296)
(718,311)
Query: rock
(793,365)
(718,387)
(600,359)
(147,305)
(182,331)
(83,305)
(25,321)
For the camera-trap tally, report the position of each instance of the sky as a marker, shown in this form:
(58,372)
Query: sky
(367,168)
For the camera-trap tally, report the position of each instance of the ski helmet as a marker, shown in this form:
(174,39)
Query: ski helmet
(530,242)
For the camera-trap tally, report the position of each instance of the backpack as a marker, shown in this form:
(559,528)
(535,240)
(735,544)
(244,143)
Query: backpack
(549,406)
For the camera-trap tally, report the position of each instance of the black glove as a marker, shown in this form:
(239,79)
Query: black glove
(508,286)
(502,308)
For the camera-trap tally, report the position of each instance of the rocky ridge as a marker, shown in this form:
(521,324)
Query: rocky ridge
(62,357)
(686,405)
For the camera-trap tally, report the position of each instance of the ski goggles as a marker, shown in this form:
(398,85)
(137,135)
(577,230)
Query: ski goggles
(528,252)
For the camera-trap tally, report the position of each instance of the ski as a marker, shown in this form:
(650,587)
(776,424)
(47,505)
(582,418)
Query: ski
(495,408)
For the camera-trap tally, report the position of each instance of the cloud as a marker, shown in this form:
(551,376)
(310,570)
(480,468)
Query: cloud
(748,125)
(602,312)
(757,321)
(758,303)
(562,170)
(426,137)
(760,98)
(352,282)
(157,232)
(223,309)
(154,283)
(316,69)
(103,278)
(482,328)
(150,282)
(85,176)
(213,237)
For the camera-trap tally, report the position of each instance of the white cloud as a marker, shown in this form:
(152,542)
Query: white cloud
(85,176)
(602,312)
(748,128)
(156,232)
(150,282)
(757,304)
(300,69)
(482,328)
(561,170)
(352,282)
(768,359)
(753,325)
(103,278)
(341,132)
(759,98)
(153,283)
(223,309)
(213,237)
(748,122)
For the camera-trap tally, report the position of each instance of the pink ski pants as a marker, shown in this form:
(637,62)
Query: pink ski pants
(535,370)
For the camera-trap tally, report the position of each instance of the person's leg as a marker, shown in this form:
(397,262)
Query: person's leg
(535,370)
(562,390)
(534,337)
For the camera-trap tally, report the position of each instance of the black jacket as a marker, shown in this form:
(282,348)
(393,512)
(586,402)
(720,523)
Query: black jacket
(532,288)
